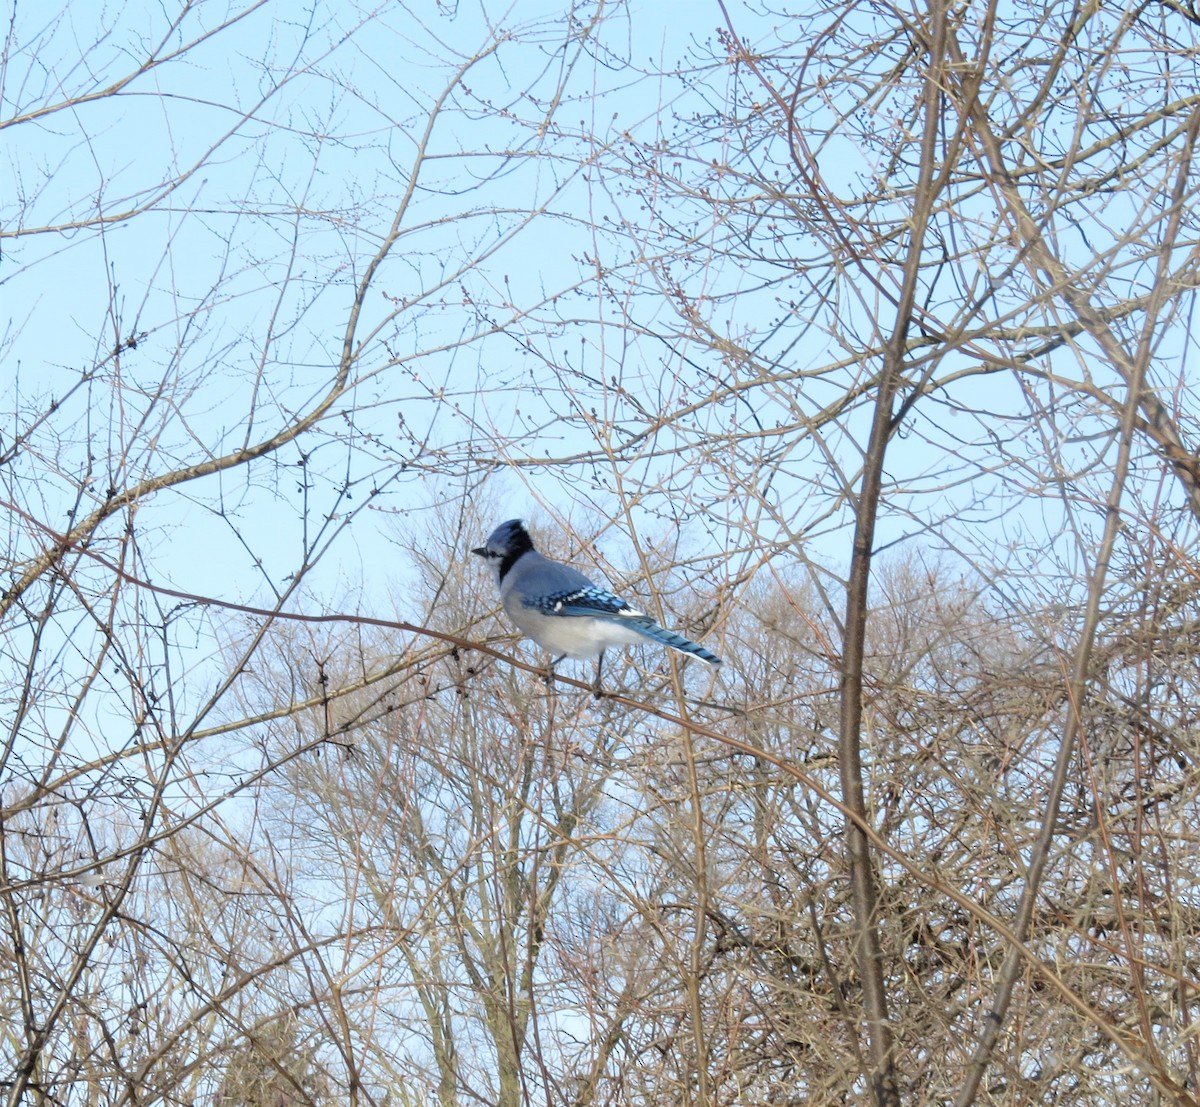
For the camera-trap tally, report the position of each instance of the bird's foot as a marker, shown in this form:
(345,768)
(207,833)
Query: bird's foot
(597,690)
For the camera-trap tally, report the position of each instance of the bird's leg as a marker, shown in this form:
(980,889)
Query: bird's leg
(597,691)
(550,668)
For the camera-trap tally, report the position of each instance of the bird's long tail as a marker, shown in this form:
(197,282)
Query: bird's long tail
(650,629)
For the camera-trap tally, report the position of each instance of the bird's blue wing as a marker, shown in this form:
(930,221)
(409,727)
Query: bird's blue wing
(591,601)
(599,603)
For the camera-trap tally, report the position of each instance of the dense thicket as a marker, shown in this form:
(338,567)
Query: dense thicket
(854,339)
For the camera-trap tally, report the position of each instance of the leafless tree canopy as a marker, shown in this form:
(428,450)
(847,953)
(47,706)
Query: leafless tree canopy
(851,339)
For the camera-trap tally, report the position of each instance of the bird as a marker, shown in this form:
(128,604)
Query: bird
(562,610)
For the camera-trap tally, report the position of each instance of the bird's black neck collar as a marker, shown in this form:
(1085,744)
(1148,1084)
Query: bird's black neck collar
(519,543)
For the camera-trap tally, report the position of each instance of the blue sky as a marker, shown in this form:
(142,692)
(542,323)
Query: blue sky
(488,334)
(273,157)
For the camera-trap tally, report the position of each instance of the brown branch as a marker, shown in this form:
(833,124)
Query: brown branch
(1132,368)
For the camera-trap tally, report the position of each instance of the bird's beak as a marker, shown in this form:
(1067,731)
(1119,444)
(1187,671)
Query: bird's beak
(481,550)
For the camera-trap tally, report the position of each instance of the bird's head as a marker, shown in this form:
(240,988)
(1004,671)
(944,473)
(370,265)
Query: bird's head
(504,545)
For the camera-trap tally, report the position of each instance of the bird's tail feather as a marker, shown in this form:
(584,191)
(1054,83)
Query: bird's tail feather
(655,633)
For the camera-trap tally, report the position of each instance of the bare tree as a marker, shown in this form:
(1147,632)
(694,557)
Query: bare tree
(855,337)
(931,271)
(219,362)
(1002,300)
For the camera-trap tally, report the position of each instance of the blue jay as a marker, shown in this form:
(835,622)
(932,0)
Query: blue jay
(563,611)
